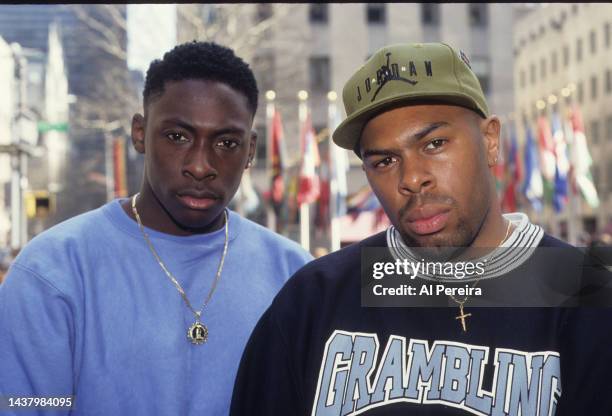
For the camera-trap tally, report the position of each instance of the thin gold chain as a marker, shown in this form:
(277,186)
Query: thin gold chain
(197,314)
(461,303)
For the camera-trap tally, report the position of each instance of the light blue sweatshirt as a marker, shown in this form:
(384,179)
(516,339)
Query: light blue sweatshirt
(86,311)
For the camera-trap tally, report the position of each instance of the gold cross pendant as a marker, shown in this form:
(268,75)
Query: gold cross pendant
(462,316)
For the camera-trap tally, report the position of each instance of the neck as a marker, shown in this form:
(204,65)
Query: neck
(492,233)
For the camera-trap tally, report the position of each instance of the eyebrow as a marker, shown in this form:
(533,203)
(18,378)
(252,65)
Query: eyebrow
(189,127)
(424,132)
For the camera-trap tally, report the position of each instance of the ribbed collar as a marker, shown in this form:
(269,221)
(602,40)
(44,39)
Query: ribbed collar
(513,252)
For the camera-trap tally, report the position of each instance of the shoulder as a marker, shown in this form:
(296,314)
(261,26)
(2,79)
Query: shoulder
(337,270)
(550,241)
(61,245)
(66,234)
(261,237)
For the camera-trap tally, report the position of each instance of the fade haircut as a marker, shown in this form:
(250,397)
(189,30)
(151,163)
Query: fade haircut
(205,61)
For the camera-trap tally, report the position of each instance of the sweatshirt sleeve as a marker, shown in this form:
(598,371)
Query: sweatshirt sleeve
(36,339)
(266,383)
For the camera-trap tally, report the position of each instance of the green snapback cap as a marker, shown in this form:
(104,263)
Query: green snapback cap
(407,73)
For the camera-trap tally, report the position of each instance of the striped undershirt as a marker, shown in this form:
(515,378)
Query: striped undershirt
(513,252)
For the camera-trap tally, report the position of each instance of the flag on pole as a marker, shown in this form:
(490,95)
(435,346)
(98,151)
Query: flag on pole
(547,149)
(533,188)
(366,201)
(339,168)
(323,214)
(513,174)
(561,165)
(499,168)
(119,168)
(309,188)
(547,159)
(581,161)
(277,186)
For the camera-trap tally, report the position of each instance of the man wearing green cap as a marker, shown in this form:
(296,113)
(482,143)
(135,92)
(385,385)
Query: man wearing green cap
(330,345)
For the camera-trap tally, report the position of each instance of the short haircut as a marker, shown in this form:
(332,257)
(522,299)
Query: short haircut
(205,61)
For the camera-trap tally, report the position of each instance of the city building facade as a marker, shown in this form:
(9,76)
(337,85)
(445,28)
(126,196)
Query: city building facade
(316,48)
(563,57)
(101,96)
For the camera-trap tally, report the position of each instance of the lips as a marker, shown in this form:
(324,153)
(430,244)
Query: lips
(427,219)
(199,200)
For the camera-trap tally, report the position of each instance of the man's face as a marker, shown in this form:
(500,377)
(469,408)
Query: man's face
(429,167)
(197,140)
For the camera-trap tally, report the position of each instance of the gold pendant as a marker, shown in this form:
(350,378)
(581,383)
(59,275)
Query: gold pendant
(197,333)
(462,316)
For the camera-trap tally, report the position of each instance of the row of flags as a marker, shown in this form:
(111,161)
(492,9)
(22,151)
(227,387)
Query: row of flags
(320,178)
(553,163)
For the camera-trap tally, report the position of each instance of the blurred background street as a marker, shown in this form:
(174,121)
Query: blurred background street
(71,77)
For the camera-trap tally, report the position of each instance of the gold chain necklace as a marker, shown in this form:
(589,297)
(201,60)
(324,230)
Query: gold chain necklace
(463,315)
(198,332)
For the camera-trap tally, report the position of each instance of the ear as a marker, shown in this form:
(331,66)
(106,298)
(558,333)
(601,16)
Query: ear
(252,148)
(491,128)
(138,133)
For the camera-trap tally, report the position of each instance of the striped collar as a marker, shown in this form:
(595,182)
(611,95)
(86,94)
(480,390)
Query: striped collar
(513,252)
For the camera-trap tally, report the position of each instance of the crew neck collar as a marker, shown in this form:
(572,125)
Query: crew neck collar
(514,251)
(114,211)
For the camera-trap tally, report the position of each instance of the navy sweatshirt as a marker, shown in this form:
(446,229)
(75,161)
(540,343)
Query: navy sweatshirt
(317,351)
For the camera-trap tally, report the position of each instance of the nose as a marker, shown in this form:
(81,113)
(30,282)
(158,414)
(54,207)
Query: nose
(415,177)
(197,163)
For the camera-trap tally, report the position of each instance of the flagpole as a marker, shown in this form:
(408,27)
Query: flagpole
(304,208)
(270,108)
(333,184)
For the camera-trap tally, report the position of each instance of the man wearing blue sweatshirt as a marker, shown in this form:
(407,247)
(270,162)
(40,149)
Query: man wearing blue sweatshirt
(143,306)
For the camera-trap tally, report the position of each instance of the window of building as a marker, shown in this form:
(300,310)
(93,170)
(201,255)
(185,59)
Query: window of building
(594,132)
(580,92)
(609,128)
(593,41)
(264,11)
(430,14)
(553,62)
(263,66)
(607,35)
(566,56)
(532,74)
(594,87)
(209,14)
(376,13)
(609,176)
(543,68)
(485,83)
(579,50)
(319,74)
(478,14)
(522,78)
(319,12)
(481,66)
(609,83)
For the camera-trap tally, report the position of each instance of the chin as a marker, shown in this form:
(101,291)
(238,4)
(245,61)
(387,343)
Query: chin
(197,219)
(438,246)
